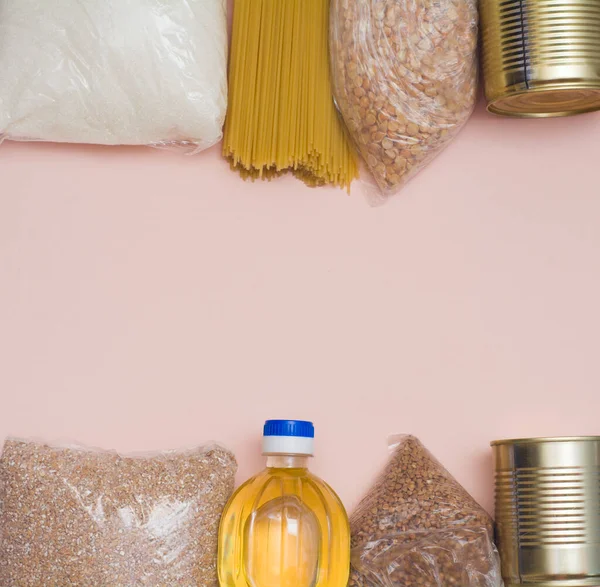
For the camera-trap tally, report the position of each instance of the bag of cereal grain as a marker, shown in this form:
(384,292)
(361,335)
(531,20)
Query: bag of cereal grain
(73,516)
(418,527)
(405,79)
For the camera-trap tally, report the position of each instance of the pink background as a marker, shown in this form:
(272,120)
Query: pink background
(150,300)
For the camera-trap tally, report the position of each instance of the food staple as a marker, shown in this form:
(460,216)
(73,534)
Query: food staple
(74,517)
(114,72)
(419,528)
(405,79)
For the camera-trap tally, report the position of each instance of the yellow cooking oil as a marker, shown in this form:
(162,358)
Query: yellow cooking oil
(285,527)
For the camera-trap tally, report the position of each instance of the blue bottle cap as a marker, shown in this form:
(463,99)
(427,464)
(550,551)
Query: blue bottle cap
(297,428)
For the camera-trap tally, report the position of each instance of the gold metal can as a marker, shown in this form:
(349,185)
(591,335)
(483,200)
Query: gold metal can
(548,511)
(541,58)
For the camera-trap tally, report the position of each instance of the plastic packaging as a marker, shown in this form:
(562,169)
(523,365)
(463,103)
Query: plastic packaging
(73,516)
(113,72)
(405,79)
(285,527)
(419,527)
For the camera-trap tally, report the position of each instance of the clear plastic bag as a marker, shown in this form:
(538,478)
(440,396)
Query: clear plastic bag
(419,527)
(405,79)
(90,518)
(114,72)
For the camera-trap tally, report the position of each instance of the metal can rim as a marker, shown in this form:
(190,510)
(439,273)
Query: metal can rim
(542,439)
(541,88)
(562,114)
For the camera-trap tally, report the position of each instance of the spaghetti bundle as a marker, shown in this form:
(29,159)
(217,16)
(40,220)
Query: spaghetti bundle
(281,113)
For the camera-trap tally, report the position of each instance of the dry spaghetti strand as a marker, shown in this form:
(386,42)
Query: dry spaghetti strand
(281,113)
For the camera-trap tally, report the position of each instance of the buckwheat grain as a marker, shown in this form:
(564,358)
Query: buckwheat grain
(419,528)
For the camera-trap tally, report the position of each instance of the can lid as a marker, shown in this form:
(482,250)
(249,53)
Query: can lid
(288,437)
(545,439)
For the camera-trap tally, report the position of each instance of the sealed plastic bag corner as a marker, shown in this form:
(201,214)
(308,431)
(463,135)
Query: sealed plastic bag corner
(114,72)
(418,527)
(405,79)
(75,516)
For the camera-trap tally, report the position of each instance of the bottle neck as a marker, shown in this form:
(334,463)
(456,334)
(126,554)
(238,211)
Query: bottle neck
(287,461)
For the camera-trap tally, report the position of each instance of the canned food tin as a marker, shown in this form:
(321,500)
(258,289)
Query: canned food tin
(548,511)
(541,58)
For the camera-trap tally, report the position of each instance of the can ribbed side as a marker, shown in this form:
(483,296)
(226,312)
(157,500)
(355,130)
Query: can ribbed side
(540,507)
(503,40)
(548,513)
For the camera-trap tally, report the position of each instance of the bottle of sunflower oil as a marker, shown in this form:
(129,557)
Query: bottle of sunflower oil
(285,527)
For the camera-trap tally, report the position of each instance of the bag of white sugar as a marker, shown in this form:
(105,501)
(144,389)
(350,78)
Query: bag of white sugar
(113,72)
(91,518)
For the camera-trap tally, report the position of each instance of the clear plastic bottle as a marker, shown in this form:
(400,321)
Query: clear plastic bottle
(285,527)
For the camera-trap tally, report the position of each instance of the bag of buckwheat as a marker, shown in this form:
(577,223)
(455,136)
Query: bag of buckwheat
(418,527)
(405,79)
(90,518)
